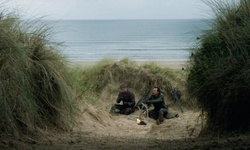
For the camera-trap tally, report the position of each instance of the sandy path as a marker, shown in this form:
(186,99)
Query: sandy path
(122,133)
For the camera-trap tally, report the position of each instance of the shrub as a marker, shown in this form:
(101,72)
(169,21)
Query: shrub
(220,68)
(34,91)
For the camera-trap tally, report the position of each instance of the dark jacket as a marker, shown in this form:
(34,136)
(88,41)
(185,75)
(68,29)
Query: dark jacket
(157,101)
(128,98)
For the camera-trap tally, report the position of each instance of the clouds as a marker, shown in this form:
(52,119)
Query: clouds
(112,9)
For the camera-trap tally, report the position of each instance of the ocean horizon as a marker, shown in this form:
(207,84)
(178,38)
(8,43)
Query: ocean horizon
(137,40)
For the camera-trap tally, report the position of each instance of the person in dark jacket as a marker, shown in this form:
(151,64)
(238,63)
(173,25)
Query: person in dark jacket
(160,110)
(128,101)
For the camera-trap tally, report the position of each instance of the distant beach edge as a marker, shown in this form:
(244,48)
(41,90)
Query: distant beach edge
(163,64)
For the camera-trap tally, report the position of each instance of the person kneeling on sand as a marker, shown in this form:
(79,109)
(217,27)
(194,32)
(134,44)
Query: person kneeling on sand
(128,100)
(160,110)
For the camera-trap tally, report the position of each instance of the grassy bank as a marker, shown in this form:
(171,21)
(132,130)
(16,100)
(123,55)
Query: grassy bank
(34,91)
(107,75)
(220,67)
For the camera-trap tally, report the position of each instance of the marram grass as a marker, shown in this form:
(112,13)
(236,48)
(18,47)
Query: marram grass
(220,68)
(34,91)
(108,74)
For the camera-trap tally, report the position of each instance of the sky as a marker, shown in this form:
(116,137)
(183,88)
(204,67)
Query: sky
(111,9)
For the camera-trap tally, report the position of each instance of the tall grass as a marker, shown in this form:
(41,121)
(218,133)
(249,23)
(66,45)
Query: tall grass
(34,91)
(141,79)
(220,68)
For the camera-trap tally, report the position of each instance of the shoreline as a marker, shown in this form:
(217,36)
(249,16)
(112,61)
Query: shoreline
(162,64)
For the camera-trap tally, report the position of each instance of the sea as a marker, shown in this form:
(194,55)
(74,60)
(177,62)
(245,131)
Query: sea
(137,40)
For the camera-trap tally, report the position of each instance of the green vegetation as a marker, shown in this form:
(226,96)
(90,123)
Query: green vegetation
(107,75)
(220,68)
(34,92)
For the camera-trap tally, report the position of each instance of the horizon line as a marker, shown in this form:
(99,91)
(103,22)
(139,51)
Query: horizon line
(124,19)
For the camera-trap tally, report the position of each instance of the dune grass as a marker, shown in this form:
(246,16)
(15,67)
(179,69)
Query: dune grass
(220,68)
(34,91)
(108,74)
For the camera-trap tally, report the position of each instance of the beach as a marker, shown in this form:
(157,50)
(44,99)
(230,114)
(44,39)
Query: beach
(138,40)
(163,64)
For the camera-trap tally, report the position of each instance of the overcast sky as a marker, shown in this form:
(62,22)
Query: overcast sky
(111,9)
